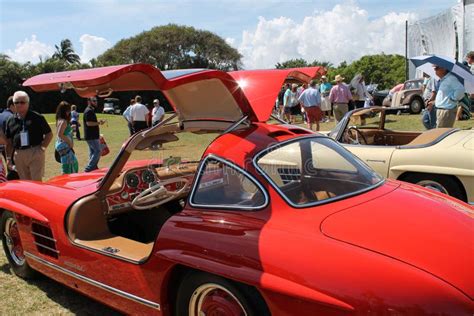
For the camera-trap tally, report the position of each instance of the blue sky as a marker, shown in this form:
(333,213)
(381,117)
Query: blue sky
(31,28)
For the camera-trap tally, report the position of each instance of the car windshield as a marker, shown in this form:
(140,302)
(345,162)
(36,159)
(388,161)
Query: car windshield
(314,170)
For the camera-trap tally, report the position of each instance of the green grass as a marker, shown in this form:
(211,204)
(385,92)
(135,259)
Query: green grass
(45,296)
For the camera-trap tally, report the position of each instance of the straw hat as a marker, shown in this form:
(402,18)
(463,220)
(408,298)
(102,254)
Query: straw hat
(294,85)
(338,78)
(323,77)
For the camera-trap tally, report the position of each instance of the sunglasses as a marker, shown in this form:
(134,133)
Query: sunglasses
(19,102)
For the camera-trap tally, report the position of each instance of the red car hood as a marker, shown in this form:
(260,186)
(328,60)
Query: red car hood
(423,229)
(79,180)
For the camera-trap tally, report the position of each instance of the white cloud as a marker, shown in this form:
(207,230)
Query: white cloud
(30,50)
(343,33)
(92,46)
(230,41)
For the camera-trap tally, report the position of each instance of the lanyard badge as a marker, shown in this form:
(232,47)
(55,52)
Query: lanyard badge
(24,137)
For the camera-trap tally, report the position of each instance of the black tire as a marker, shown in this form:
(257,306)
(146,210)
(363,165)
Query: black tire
(17,266)
(450,185)
(248,297)
(416,105)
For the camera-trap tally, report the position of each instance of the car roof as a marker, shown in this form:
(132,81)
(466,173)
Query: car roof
(193,93)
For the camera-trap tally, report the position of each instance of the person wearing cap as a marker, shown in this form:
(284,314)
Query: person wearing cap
(324,89)
(92,134)
(340,95)
(158,113)
(310,99)
(290,103)
(449,92)
(28,134)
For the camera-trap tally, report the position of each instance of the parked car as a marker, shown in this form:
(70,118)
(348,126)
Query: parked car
(440,159)
(269,220)
(111,106)
(411,95)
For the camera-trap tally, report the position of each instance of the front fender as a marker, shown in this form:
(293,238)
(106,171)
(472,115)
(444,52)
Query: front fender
(18,208)
(396,171)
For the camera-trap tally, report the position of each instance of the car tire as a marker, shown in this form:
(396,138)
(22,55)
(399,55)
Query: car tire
(205,294)
(438,182)
(13,248)
(416,105)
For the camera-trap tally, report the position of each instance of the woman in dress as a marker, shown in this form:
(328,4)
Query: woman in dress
(64,144)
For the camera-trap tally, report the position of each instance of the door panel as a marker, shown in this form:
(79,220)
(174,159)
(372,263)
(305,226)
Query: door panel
(377,157)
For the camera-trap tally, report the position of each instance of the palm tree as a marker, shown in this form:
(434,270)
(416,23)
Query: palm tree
(65,52)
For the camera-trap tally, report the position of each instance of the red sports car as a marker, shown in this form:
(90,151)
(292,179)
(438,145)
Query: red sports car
(271,220)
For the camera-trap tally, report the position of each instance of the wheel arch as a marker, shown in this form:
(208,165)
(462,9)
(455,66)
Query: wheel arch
(180,272)
(15,207)
(407,174)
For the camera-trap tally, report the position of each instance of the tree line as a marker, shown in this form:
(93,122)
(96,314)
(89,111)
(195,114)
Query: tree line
(170,47)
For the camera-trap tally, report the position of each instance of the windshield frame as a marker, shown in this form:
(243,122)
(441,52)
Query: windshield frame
(316,203)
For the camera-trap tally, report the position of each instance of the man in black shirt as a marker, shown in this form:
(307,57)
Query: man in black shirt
(92,134)
(28,135)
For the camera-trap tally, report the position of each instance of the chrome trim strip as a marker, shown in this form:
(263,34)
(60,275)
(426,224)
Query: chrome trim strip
(94,283)
(43,236)
(329,200)
(46,247)
(229,207)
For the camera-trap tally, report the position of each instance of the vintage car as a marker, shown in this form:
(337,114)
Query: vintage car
(441,159)
(410,95)
(269,220)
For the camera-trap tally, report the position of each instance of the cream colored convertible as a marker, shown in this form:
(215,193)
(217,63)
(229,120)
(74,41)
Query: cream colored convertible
(441,159)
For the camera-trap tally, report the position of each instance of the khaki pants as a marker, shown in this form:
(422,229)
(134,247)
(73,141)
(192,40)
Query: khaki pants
(30,163)
(340,109)
(445,118)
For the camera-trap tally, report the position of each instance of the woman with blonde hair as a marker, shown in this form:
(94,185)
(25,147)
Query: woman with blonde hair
(64,143)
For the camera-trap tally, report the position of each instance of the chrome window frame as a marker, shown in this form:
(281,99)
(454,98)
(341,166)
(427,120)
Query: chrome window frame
(325,201)
(221,206)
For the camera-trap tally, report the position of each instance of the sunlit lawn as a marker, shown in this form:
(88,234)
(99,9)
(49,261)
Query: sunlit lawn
(48,297)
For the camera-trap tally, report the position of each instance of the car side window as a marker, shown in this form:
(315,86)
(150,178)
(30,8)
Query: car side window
(222,185)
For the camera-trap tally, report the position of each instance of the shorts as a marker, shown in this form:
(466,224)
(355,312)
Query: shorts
(325,104)
(295,110)
(313,114)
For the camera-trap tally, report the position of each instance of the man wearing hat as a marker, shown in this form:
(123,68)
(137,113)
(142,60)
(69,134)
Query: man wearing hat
(340,96)
(324,89)
(450,91)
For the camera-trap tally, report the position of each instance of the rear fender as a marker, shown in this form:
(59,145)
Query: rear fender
(247,275)
(9,205)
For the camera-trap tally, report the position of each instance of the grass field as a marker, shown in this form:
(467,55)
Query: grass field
(46,297)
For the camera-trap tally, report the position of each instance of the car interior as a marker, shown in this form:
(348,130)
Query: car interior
(125,219)
(359,132)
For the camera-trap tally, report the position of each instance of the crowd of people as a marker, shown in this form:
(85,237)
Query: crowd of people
(25,135)
(318,102)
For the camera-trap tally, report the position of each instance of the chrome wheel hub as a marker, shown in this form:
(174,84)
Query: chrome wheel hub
(433,185)
(214,300)
(13,241)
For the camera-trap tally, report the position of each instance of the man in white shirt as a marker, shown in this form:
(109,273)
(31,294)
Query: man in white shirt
(158,113)
(139,114)
(127,114)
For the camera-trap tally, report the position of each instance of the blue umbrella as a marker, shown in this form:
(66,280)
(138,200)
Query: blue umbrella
(425,63)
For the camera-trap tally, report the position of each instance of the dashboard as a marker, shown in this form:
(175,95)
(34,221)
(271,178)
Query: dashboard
(134,181)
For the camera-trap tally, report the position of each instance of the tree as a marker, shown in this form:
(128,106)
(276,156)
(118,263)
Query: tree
(66,53)
(292,63)
(173,47)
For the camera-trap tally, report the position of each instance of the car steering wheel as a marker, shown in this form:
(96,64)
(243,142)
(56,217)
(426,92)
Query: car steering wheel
(357,134)
(158,193)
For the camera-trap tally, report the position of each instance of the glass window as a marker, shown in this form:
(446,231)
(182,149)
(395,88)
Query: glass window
(317,169)
(223,186)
